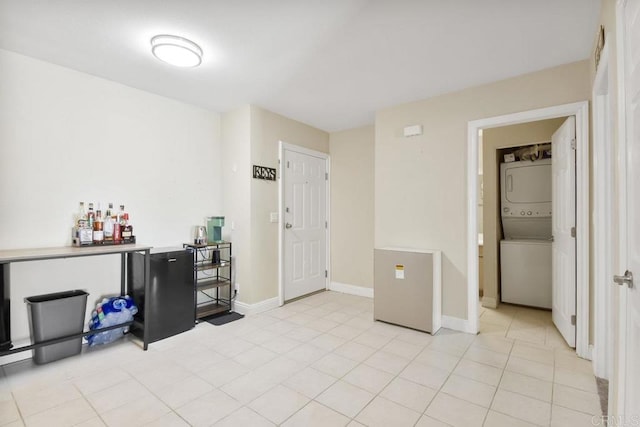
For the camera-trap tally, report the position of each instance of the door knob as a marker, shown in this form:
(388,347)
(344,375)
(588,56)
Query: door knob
(287,225)
(627,279)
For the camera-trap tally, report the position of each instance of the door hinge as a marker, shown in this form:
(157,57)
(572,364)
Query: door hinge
(573,320)
(573,144)
(326,273)
(288,164)
(326,176)
(573,232)
(326,224)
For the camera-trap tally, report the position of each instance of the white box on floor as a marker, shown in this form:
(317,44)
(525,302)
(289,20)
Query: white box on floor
(407,288)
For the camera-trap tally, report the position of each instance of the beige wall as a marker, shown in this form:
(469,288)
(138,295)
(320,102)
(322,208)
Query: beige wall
(352,178)
(420,182)
(250,136)
(493,140)
(267,129)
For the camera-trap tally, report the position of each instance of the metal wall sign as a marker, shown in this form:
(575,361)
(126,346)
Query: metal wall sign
(263,172)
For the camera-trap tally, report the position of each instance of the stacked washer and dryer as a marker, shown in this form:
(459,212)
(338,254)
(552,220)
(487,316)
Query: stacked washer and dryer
(526,249)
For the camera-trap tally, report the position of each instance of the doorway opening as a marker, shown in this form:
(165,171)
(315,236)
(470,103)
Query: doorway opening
(516,226)
(512,143)
(580,112)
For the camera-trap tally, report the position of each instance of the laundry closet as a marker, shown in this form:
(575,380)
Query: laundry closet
(526,217)
(515,214)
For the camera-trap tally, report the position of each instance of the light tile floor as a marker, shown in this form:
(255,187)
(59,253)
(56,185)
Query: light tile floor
(319,361)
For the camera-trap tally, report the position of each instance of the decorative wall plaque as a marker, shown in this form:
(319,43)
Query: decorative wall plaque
(263,172)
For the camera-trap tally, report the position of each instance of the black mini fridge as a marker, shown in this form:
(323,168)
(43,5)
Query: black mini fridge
(172,298)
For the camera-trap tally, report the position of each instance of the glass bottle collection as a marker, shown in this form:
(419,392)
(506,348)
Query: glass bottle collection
(91,227)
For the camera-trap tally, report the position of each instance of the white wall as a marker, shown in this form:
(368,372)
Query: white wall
(67,137)
(236,178)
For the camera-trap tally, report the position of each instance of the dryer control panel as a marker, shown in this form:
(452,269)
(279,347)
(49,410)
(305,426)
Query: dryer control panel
(525,189)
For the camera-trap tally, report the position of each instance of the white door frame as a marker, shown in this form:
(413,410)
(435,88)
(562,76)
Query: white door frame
(581,111)
(282,146)
(602,111)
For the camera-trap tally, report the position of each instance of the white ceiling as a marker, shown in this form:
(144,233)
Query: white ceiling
(328,63)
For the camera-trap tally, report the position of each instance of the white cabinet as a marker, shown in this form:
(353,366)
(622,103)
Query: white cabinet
(407,288)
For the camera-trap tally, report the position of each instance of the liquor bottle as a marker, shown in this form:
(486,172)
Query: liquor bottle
(121,219)
(108,225)
(91,216)
(117,229)
(117,233)
(98,229)
(82,234)
(81,218)
(127,229)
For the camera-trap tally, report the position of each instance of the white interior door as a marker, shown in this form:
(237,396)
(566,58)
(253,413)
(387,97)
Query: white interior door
(305,226)
(629,232)
(563,171)
(603,208)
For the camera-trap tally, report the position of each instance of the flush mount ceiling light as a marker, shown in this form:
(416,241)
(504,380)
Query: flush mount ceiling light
(176,50)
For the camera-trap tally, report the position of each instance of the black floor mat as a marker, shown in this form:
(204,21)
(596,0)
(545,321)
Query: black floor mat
(221,319)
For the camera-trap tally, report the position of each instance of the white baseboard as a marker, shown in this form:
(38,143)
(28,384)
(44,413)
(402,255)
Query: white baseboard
(456,324)
(351,289)
(259,307)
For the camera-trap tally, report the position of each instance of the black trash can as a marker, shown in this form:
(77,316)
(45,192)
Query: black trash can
(54,316)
